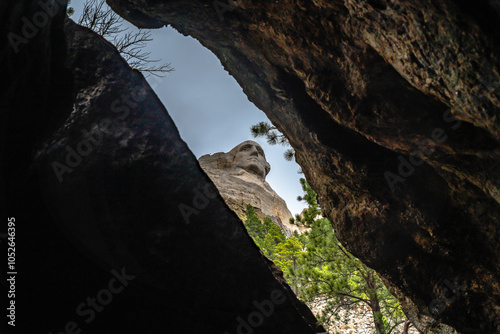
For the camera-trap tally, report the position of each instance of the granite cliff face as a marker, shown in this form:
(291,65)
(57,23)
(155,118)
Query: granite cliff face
(392,109)
(240,187)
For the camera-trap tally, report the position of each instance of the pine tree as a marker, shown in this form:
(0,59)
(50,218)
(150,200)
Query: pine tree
(273,137)
(69,10)
(253,224)
(326,271)
(287,254)
(267,235)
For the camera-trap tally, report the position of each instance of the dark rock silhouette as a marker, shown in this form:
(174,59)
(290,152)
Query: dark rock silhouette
(97,176)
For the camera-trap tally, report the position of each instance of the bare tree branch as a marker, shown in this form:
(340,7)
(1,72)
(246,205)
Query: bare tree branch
(101,19)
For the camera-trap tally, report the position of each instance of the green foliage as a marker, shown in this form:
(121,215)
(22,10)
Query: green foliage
(318,267)
(327,271)
(253,224)
(70,10)
(287,253)
(273,137)
(266,234)
(313,210)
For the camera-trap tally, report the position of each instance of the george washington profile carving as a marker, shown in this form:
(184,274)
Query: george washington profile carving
(240,177)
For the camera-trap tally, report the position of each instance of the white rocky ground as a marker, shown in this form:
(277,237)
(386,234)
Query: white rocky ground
(357,320)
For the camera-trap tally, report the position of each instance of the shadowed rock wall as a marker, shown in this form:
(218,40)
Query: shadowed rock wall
(118,228)
(392,108)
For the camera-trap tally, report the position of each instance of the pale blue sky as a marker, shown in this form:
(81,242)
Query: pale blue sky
(209,107)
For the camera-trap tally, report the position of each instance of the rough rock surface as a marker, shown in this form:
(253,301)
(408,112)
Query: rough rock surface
(392,108)
(95,174)
(240,187)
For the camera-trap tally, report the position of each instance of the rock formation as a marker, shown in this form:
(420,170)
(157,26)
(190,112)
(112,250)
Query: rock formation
(96,178)
(391,106)
(239,175)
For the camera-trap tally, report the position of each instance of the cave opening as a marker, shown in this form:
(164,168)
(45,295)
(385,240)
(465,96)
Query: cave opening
(208,106)
(211,110)
(213,115)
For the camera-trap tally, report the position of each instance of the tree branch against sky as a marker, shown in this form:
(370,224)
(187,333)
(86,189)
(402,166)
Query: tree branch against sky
(273,137)
(70,10)
(99,17)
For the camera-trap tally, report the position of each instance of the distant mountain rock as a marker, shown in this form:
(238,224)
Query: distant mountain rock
(239,175)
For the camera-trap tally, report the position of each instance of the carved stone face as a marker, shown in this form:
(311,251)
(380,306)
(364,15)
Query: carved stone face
(249,156)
